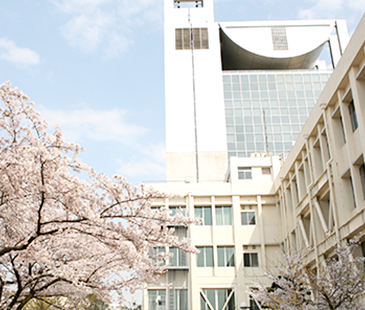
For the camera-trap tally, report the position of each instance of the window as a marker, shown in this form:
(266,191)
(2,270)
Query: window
(157,254)
(250,259)
(353,116)
(179,259)
(353,192)
(205,257)
(362,176)
(223,215)
(156,300)
(178,299)
(256,305)
(226,256)
(343,130)
(266,170)
(205,213)
(217,298)
(244,173)
(248,218)
(176,210)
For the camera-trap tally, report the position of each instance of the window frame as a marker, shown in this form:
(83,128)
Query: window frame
(203,251)
(248,220)
(252,263)
(179,259)
(203,217)
(246,172)
(228,258)
(353,116)
(152,305)
(220,210)
(362,178)
(217,294)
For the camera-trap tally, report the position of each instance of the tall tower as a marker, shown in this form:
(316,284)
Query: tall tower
(195,126)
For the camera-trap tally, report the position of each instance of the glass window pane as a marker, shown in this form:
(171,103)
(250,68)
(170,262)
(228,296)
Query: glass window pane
(255,260)
(219,215)
(230,256)
(183,301)
(173,259)
(200,257)
(252,218)
(198,213)
(209,256)
(246,259)
(222,295)
(244,218)
(227,215)
(211,297)
(207,216)
(221,261)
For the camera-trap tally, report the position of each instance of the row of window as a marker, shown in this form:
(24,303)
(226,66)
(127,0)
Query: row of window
(245,173)
(276,77)
(268,104)
(205,258)
(225,256)
(178,299)
(223,215)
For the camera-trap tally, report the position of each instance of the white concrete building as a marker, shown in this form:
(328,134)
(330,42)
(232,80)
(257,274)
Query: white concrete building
(252,204)
(266,67)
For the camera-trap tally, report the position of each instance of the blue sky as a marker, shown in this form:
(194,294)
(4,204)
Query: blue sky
(95,67)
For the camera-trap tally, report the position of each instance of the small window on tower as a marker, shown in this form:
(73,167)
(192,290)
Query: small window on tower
(188,4)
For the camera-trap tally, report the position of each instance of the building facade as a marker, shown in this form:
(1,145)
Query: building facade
(321,186)
(233,88)
(230,109)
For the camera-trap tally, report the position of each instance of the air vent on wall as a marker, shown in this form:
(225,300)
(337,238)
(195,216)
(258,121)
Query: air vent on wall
(279,39)
(183,38)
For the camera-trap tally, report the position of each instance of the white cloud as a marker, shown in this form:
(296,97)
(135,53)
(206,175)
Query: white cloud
(21,57)
(106,24)
(322,8)
(86,32)
(330,8)
(142,168)
(100,125)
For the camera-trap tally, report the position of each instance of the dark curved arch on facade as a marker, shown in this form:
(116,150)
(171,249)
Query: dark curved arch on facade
(235,57)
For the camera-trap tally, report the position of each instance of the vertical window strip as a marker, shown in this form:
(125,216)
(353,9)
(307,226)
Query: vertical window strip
(353,191)
(354,123)
(343,130)
(362,177)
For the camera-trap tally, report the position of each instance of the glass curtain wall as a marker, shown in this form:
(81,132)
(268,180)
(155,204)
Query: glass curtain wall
(286,98)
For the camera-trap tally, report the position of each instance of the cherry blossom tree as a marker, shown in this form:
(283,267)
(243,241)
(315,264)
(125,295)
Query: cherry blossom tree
(337,284)
(65,237)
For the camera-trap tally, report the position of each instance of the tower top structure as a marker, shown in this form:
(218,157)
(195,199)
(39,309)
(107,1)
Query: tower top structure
(188,11)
